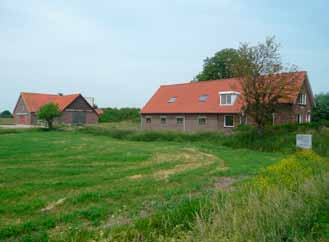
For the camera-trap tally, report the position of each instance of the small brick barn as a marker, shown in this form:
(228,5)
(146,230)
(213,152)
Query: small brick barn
(75,108)
(218,105)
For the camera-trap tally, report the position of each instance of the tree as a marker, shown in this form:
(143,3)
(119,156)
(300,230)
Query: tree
(49,112)
(219,66)
(321,109)
(6,114)
(262,81)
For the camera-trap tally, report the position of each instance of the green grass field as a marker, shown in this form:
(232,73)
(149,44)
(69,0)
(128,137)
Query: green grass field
(53,181)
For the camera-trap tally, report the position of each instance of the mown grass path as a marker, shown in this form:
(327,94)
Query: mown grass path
(51,180)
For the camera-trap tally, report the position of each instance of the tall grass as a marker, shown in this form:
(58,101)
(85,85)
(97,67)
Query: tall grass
(279,138)
(284,203)
(274,139)
(148,136)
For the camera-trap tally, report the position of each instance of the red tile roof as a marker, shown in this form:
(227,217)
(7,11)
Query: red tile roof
(34,101)
(188,94)
(99,111)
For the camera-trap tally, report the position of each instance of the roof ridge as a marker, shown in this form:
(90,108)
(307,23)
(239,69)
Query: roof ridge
(226,79)
(49,94)
(199,82)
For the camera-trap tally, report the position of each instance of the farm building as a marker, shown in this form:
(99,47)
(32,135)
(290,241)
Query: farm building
(218,105)
(75,108)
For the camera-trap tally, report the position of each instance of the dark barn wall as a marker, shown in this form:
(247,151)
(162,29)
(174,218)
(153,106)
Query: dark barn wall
(69,115)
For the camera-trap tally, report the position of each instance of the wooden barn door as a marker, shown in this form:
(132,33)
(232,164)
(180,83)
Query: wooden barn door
(21,119)
(79,118)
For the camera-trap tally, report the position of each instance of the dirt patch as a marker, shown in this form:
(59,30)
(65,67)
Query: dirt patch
(164,174)
(190,159)
(225,183)
(117,220)
(52,205)
(136,177)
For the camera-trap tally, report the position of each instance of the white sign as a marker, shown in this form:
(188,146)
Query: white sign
(304,141)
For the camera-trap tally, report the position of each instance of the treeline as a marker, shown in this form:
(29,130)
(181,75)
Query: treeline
(119,114)
(321,109)
(6,114)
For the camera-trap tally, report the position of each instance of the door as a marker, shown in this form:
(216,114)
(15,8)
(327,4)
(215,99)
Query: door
(21,119)
(78,117)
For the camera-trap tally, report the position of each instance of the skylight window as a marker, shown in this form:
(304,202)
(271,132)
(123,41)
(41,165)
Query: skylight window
(172,100)
(203,98)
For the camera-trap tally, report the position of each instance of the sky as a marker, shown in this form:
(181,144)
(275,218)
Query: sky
(120,52)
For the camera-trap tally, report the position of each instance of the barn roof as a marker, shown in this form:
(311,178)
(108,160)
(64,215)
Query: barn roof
(185,97)
(34,101)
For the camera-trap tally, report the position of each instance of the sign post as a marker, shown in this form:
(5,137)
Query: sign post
(304,141)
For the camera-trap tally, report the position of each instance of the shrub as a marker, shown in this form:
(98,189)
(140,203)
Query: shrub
(119,114)
(149,136)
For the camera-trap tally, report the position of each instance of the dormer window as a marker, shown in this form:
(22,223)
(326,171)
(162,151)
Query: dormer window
(301,99)
(228,98)
(203,98)
(172,100)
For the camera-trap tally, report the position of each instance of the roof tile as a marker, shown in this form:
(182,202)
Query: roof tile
(188,94)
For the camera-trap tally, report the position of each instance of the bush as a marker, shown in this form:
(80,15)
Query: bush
(149,136)
(280,138)
(119,114)
(274,139)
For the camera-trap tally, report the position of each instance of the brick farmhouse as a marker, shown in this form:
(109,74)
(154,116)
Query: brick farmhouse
(218,105)
(75,108)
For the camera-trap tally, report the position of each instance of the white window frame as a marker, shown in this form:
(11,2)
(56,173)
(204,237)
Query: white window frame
(178,117)
(309,117)
(228,126)
(233,95)
(303,99)
(148,117)
(163,117)
(202,117)
(300,118)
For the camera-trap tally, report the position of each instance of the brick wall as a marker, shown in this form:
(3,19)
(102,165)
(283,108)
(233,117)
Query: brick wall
(190,123)
(91,118)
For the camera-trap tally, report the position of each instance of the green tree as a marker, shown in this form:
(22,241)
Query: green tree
(49,112)
(263,85)
(219,66)
(6,114)
(119,114)
(321,109)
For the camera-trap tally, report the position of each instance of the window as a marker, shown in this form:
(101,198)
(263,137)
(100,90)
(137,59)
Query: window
(179,120)
(203,98)
(163,119)
(301,99)
(228,121)
(172,100)
(300,118)
(228,98)
(202,120)
(148,120)
(309,117)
